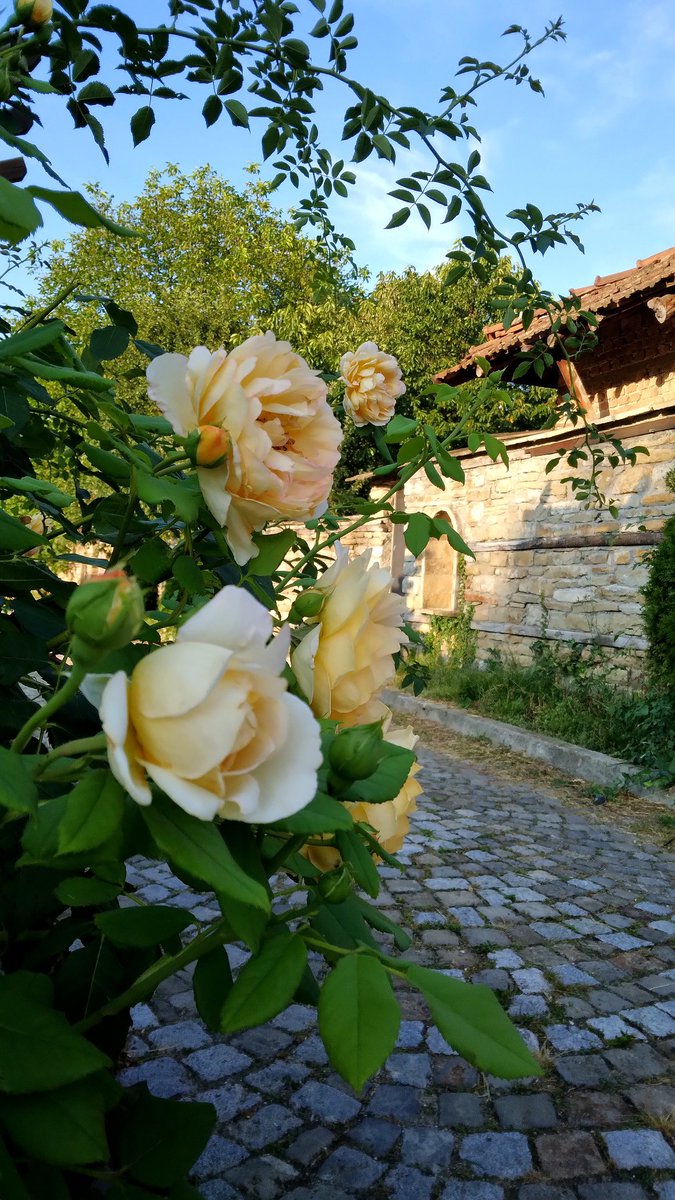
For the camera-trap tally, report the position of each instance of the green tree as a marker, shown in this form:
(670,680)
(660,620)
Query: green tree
(212,266)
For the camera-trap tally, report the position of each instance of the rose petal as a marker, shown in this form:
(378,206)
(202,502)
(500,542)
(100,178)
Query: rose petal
(168,388)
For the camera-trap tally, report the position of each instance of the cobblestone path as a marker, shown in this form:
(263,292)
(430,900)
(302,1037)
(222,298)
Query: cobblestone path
(571,922)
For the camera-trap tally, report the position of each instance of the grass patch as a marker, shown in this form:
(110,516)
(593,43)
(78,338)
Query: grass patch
(569,692)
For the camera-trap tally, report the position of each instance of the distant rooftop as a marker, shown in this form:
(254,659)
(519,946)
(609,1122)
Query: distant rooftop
(606,295)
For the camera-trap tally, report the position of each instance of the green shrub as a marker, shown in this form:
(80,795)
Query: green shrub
(659,610)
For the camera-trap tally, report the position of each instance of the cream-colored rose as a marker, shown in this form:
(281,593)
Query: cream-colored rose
(34,12)
(283,435)
(373,382)
(390,820)
(347,656)
(209,720)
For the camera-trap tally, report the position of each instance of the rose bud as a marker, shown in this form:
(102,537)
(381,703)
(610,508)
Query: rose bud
(335,886)
(103,614)
(356,752)
(308,604)
(34,12)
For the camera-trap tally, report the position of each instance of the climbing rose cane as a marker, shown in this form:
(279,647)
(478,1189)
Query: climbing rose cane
(373,382)
(209,720)
(283,437)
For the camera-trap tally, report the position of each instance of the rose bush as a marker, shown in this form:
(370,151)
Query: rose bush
(200,745)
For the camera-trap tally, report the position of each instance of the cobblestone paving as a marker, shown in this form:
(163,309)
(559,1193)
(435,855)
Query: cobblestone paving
(570,922)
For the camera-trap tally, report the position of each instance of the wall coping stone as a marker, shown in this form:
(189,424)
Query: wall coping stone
(577,761)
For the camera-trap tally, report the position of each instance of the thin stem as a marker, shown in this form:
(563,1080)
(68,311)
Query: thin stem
(46,710)
(146,983)
(68,749)
(38,317)
(126,521)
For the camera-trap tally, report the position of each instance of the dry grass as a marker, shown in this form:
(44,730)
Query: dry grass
(645,819)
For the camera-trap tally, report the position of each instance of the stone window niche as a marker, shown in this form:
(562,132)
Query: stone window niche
(440,575)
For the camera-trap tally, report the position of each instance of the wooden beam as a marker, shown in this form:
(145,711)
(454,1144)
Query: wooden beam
(13,169)
(663,307)
(573,383)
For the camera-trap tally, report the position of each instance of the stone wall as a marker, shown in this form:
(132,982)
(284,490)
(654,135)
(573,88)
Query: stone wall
(544,565)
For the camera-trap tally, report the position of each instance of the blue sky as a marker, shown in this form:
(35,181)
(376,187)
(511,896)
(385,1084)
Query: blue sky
(603,132)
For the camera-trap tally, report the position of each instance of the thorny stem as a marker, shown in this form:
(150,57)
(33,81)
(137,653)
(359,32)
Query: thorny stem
(46,710)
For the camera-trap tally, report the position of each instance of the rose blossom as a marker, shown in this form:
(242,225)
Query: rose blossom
(283,436)
(373,382)
(209,720)
(347,656)
(389,820)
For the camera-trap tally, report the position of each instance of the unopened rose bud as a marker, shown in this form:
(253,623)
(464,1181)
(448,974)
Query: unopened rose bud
(104,614)
(335,886)
(308,604)
(356,752)
(34,12)
(208,446)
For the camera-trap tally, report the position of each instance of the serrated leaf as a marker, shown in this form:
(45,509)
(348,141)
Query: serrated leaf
(142,123)
(150,925)
(94,812)
(212,981)
(161,1139)
(417,533)
(472,1021)
(266,984)
(17,789)
(359,1017)
(322,815)
(38,1048)
(65,1127)
(237,112)
(197,847)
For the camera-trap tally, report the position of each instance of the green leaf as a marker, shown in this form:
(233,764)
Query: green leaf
(266,984)
(15,536)
(189,576)
(323,814)
(379,921)
(197,847)
(11,1187)
(110,465)
(17,790)
(387,779)
(418,532)
(359,1018)
(161,1139)
(81,892)
(472,1021)
(94,812)
(473,441)
(272,550)
(65,1127)
(238,114)
(496,449)
(359,860)
(211,982)
(151,562)
(343,925)
(38,1048)
(76,209)
(213,107)
(19,215)
(141,124)
(399,218)
(399,428)
(183,496)
(96,93)
(151,925)
(441,526)
(27,341)
(109,342)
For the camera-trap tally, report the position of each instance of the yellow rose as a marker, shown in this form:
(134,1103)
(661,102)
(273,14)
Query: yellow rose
(347,656)
(34,12)
(283,436)
(373,382)
(209,720)
(390,820)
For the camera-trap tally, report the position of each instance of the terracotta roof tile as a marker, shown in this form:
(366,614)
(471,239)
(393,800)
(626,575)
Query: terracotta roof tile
(607,293)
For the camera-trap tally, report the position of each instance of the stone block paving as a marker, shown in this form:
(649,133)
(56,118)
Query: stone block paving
(570,921)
